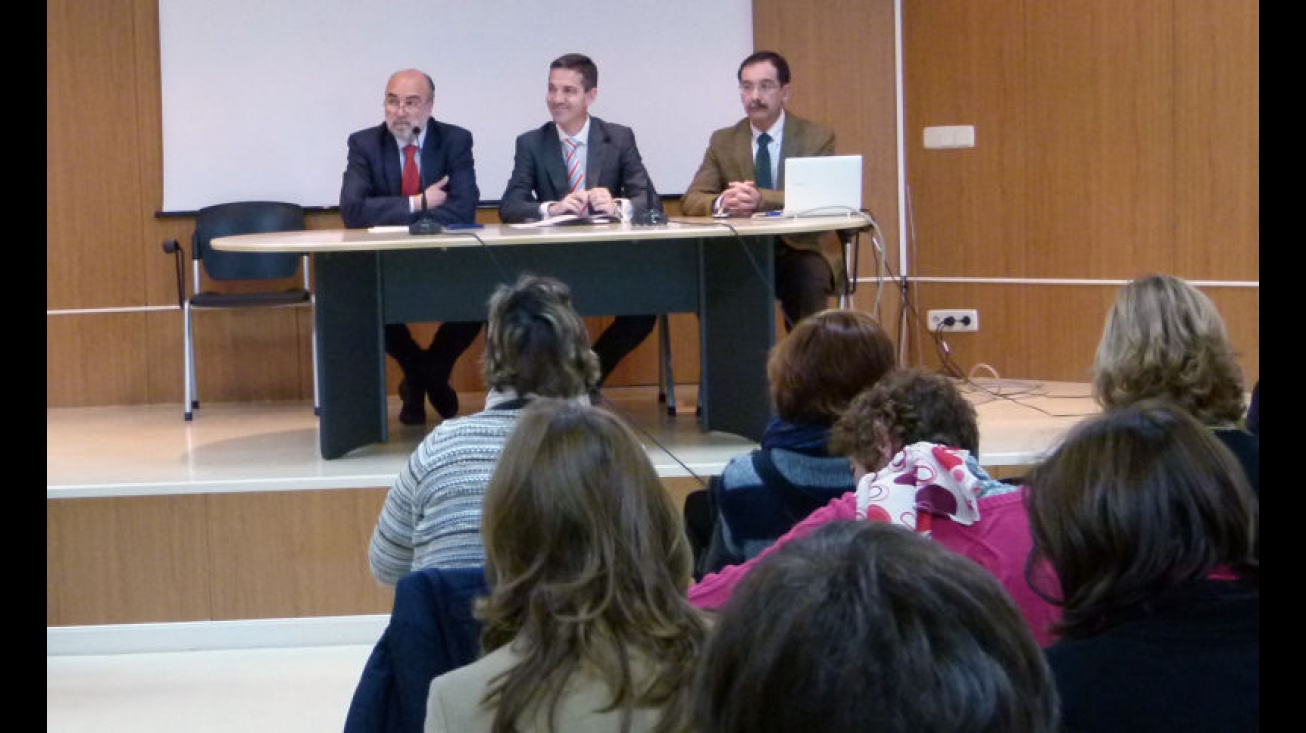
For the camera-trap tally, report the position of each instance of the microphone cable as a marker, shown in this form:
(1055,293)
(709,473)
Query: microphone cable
(609,405)
(503,275)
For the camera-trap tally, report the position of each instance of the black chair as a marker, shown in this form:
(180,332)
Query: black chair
(226,269)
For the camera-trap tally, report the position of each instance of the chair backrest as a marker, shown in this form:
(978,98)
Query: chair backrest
(246,217)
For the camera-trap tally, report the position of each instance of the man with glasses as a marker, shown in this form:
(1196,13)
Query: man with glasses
(383,184)
(742,174)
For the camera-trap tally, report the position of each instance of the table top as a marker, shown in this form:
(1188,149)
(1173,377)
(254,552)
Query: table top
(394,238)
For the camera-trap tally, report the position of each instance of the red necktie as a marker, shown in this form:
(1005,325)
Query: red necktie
(412,178)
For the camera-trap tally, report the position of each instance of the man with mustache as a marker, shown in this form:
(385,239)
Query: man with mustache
(732,182)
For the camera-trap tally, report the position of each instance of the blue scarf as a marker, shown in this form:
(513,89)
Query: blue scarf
(812,440)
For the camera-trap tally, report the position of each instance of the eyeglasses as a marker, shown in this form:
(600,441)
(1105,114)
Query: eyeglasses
(765,87)
(412,104)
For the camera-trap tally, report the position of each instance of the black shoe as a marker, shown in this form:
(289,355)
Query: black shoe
(413,411)
(444,399)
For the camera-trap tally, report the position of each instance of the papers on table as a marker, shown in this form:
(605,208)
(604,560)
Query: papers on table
(566,220)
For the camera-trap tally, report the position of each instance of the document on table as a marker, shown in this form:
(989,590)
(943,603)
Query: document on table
(400,229)
(566,220)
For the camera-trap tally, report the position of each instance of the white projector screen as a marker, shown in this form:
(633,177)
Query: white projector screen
(259,96)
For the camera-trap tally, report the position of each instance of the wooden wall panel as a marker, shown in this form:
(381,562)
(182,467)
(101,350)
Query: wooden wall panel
(1015,323)
(294,553)
(94,201)
(1217,139)
(96,359)
(253,355)
(230,556)
(1099,89)
(963,66)
(128,560)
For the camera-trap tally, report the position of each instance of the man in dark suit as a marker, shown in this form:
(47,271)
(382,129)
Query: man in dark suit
(373,194)
(728,183)
(604,175)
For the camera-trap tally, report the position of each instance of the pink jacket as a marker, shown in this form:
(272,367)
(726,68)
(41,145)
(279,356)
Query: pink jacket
(1000,541)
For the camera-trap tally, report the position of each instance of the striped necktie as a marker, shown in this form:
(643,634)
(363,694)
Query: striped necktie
(575,174)
(575,171)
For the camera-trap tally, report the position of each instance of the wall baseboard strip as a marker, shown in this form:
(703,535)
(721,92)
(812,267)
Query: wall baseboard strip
(212,635)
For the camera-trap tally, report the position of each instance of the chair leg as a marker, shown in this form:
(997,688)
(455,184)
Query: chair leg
(190,394)
(666,381)
(317,400)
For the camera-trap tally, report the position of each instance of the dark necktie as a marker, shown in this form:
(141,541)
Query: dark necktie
(412,177)
(762,162)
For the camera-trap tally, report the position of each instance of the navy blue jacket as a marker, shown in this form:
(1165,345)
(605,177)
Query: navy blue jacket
(431,631)
(370,194)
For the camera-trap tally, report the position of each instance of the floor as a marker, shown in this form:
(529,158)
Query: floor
(218,691)
(252,447)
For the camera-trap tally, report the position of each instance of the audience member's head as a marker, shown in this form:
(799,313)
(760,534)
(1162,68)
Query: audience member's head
(536,342)
(1165,338)
(867,626)
(1135,501)
(824,362)
(588,566)
(906,406)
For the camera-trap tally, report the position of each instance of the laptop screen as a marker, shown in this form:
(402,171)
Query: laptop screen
(825,185)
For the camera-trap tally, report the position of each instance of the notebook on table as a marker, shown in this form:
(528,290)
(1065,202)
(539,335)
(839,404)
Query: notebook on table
(823,185)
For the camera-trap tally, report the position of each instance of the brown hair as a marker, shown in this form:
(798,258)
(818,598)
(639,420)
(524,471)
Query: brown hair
(824,362)
(588,566)
(1138,500)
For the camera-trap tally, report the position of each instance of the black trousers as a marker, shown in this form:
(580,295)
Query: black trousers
(434,364)
(621,337)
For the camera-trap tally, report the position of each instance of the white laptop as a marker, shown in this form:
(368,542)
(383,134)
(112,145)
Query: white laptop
(825,185)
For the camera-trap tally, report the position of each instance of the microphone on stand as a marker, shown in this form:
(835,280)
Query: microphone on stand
(424,224)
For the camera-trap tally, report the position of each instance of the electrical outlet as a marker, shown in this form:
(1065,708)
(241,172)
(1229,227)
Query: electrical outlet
(962,320)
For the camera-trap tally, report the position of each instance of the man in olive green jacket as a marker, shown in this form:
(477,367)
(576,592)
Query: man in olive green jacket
(732,182)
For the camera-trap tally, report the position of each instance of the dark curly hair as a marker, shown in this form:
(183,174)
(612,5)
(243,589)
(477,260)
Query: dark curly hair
(906,406)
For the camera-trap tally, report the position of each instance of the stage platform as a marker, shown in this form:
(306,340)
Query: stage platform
(272,446)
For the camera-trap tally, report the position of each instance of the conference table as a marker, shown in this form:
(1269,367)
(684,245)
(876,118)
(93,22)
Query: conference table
(720,269)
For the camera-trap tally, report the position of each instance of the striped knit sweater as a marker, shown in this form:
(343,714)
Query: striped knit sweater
(432,514)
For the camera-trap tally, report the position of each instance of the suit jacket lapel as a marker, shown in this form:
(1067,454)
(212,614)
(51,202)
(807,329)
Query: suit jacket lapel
(554,169)
(791,145)
(598,150)
(741,151)
(391,170)
(428,154)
